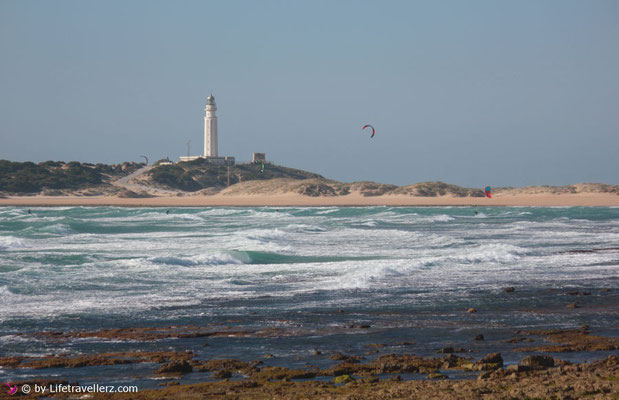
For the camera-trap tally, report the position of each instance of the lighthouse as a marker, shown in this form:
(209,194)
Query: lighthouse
(211,153)
(210,128)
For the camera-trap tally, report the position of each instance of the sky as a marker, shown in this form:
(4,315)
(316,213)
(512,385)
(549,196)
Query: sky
(474,93)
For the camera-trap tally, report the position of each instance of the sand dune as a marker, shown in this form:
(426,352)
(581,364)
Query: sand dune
(139,189)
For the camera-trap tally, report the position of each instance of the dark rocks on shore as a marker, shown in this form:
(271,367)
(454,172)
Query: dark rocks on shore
(376,345)
(517,339)
(225,365)
(154,333)
(99,359)
(536,361)
(579,381)
(516,368)
(490,361)
(446,350)
(371,379)
(571,340)
(281,374)
(223,374)
(10,362)
(492,358)
(454,361)
(343,357)
(450,349)
(359,326)
(593,380)
(175,368)
(484,375)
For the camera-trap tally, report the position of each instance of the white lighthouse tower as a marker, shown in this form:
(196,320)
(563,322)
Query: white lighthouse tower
(211,155)
(210,128)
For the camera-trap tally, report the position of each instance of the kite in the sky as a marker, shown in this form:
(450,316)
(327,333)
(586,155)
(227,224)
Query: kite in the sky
(488,192)
(373,130)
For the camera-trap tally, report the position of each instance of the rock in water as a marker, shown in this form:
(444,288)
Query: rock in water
(471,310)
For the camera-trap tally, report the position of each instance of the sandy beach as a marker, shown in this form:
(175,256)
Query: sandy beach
(290,199)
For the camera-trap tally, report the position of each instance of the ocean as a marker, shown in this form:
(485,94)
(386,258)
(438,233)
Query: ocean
(312,280)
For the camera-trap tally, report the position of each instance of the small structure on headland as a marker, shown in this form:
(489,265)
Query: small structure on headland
(210,138)
(257,157)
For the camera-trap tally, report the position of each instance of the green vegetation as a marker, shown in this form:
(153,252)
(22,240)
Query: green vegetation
(343,379)
(28,177)
(196,175)
(434,189)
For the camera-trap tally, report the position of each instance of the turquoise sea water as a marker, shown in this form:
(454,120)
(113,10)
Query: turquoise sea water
(407,273)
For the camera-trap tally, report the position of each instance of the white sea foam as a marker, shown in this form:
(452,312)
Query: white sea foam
(221,258)
(143,271)
(265,234)
(440,218)
(304,228)
(221,212)
(59,229)
(327,211)
(491,253)
(15,339)
(12,243)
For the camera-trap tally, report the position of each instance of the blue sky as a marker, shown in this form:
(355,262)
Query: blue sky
(473,93)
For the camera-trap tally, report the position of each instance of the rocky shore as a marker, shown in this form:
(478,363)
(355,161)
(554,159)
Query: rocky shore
(455,373)
(529,379)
